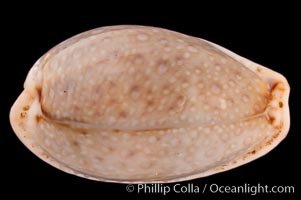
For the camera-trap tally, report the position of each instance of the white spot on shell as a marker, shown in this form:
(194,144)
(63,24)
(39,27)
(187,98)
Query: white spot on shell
(166,92)
(163,41)
(152,139)
(215,89)
(185,85)
(223,104)
(135,94)
(167,49)
(192,109)
(183,117)
(245,98)
(238,77)
(132,70)
(187,72)
(257,107)
(231,83)
(223,60)
(201,85)
(138,60)
(193,98)
(192,49)
(142,37)
(102,52)
(186,55)
(180,62)
(172,80)
(162,67)
(206,107)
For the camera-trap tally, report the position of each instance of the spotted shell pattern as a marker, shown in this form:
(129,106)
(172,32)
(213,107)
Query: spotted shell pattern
(145,104)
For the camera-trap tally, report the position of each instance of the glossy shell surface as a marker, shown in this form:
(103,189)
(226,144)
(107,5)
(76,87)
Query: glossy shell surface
(145,104)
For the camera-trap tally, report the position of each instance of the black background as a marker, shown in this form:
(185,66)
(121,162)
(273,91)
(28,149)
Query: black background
(268,36)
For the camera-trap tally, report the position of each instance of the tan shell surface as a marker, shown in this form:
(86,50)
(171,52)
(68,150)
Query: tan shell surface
(145,104)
